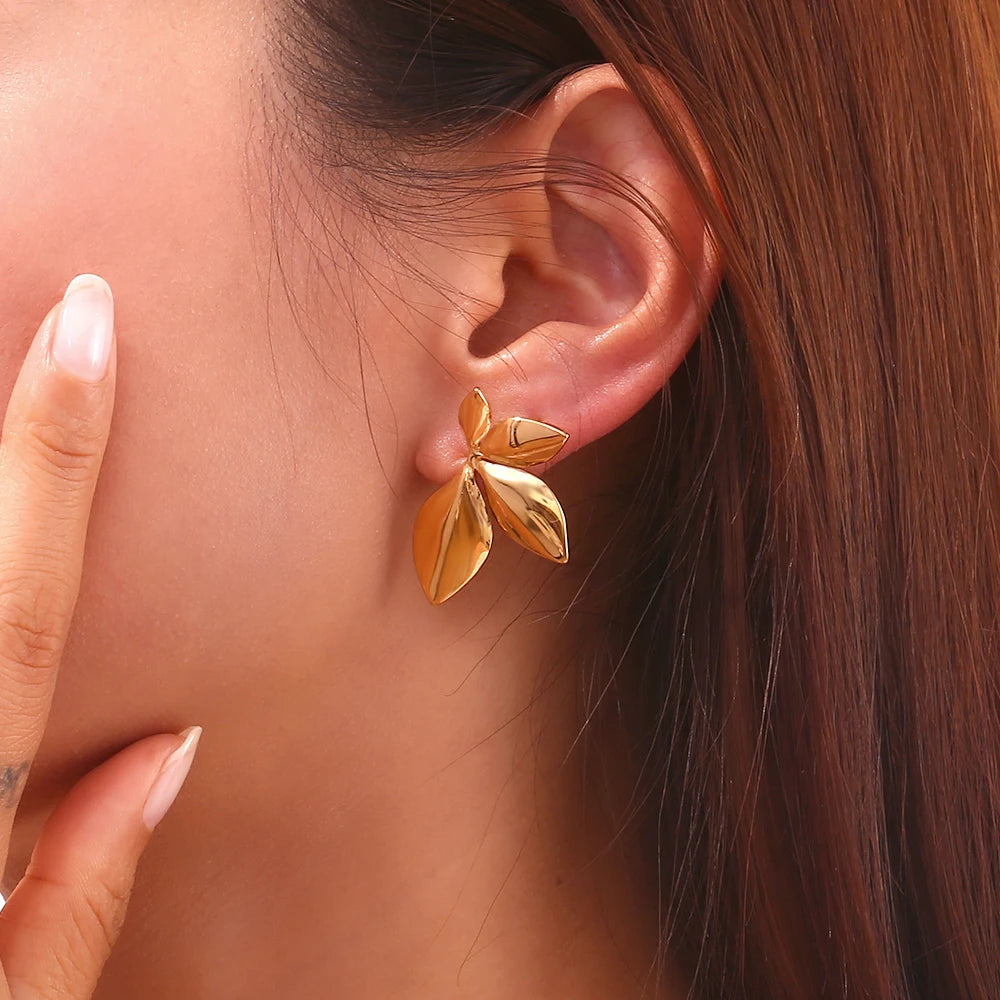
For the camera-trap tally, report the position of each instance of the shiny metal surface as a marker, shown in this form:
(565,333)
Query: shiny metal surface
(474,417)
(522,443)
(526,509)
(452,537)
(453,533)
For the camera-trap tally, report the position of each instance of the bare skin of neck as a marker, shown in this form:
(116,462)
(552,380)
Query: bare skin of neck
(456,857)
(417,823)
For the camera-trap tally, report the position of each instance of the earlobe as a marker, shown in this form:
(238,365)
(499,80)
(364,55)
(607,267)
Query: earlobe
(606,289)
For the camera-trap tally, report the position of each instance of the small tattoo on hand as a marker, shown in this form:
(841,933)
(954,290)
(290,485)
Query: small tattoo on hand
(11,780)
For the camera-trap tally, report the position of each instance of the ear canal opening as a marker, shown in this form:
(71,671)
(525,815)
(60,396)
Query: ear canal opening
(575,272)
(505,326)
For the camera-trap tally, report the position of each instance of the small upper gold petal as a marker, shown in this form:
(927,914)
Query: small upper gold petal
(521,443)
(474,416)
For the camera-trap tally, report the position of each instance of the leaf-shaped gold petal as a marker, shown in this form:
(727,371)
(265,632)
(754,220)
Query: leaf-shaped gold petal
(452,537)
(526,509)
(520,442)
(474,416)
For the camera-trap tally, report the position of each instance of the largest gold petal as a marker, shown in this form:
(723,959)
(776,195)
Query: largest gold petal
(526,509)
(452,537)
(521,442)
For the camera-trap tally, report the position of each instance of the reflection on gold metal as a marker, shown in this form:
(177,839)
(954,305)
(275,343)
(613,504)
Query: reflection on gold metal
(453,533)
(526,509)
(474,416)
(522,443)
(452,538)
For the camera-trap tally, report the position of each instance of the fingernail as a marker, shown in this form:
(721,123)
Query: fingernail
(82,342)
(170,779)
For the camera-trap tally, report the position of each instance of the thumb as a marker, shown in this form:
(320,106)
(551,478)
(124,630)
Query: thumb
(64,916)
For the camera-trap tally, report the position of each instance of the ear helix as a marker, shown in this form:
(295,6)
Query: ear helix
(453,534)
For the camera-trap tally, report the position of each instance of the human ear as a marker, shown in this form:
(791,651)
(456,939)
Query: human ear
(588,302)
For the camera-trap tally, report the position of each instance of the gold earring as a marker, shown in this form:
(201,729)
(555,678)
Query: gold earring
(453,534)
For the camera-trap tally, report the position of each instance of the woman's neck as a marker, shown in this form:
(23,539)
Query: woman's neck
(404,818)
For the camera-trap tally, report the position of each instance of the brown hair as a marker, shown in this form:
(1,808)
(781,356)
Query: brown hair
(818,664)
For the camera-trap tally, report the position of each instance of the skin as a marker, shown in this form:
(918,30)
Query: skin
(385,802)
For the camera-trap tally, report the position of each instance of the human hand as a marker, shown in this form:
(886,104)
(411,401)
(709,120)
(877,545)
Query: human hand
(64,916)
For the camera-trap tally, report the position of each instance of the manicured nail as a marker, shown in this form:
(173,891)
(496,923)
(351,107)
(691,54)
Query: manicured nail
(170,779)
(82,342)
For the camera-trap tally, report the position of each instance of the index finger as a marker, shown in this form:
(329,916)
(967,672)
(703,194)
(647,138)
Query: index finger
(52,444)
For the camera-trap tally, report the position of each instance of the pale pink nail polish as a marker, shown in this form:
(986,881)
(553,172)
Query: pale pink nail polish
(170,779)
(82,341)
